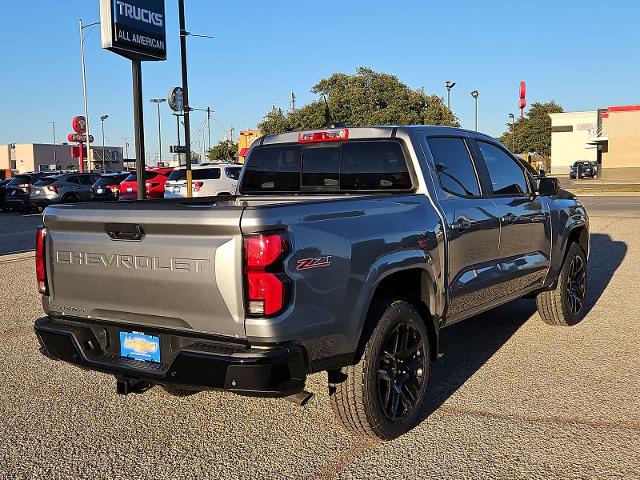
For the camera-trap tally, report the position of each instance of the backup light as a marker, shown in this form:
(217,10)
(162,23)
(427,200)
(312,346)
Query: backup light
(317,136)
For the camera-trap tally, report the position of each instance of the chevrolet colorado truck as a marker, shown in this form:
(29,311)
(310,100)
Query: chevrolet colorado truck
(344,250)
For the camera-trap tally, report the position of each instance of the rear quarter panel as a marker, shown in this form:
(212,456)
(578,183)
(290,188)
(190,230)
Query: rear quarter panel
(360,241)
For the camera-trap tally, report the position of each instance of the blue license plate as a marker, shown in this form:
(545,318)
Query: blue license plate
(140,346)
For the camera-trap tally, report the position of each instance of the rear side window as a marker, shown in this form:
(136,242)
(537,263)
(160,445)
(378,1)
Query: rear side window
(351,166)
(233,172)
(44,181)
(455,169)
(75,180)
(148,175)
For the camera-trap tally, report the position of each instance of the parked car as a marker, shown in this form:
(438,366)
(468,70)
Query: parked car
(155,178)
(62,188)
(588,169)
(346,250)
(18,190)
(107,187)
(208,179)
(3,190)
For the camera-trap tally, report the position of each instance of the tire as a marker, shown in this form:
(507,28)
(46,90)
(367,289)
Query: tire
(71,198)
(565,305)
(363,396)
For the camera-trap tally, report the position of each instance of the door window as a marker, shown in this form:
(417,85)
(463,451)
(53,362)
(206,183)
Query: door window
(455,169)
(507,177)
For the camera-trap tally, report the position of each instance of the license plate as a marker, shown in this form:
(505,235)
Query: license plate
(176,189)
(140,346)
(129,189)
(100,190)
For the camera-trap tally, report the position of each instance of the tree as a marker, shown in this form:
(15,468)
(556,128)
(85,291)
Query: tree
(532,133)
(224,151)
(366,98)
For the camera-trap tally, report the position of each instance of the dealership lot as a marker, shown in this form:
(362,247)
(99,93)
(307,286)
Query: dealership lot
(511,397)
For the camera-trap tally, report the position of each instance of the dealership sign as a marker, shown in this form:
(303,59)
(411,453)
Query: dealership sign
(135,29)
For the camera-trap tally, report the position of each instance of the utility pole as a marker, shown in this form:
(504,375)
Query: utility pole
(293,101)
(209,126)
(126,147)
(185,90)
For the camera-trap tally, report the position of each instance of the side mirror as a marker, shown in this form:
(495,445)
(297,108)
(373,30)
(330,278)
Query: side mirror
(548,186)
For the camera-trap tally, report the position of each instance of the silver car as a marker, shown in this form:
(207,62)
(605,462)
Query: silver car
(62,188)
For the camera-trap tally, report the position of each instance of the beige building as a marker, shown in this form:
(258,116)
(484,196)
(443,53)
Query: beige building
(570,135)
(609,136)
(38,157)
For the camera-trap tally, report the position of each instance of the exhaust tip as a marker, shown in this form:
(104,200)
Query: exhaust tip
(300,398)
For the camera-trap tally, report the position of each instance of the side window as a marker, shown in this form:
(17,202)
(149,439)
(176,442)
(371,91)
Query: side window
(507,177)
(456,172)
(74,180)
(86,180)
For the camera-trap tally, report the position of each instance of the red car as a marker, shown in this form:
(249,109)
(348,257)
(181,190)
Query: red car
(155,178)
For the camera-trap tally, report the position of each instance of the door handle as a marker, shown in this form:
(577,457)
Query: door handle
(124,231)
(461,224)
(509,218)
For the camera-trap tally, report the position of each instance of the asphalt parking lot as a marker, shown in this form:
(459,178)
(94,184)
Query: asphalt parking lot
(510,397)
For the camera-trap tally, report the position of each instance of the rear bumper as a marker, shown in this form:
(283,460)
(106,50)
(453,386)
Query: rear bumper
(199,363)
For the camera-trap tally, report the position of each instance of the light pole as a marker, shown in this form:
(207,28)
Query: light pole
(102,119)
(55,159)
(84,90)
(158,101)
(449,85)
(475,94)
(513,132)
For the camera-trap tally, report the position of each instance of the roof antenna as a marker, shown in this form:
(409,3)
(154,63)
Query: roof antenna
(328,118)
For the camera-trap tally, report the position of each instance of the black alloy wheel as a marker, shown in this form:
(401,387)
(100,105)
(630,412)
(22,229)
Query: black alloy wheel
(401,368)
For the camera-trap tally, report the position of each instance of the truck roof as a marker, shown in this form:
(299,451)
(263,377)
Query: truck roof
(386,131)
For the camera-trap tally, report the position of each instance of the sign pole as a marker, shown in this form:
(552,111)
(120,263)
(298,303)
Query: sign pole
(185,92)
(138,124)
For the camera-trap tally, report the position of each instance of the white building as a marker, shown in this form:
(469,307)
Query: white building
(570,136)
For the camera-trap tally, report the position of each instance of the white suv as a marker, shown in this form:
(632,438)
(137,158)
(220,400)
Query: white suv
(208,180)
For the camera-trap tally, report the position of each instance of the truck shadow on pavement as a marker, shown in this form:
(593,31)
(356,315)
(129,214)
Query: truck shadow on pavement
(466,346)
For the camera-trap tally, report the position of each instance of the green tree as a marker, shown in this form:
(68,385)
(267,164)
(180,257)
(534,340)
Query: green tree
(533,132)
(224,151)
(365,98)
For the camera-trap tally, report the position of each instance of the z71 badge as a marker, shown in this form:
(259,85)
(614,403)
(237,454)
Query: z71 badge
(307,263)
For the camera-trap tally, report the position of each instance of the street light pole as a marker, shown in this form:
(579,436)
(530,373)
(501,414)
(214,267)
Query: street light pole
(55,159)
(475,95)
(449,85)
(102,119)
(158,101)
(84,91)
(513,132)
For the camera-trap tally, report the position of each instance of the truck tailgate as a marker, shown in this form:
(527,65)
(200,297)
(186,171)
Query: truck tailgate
(163,264)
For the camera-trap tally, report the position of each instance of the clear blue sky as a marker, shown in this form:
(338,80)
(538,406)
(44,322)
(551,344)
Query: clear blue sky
(583,54)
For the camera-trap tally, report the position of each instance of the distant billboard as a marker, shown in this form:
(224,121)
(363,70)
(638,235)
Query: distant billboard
(135,29)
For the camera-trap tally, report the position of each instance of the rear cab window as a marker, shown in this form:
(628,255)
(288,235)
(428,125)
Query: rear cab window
(352,166)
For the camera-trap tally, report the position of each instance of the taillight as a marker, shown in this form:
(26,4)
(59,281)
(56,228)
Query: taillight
(152,185)
(332,135)
(266,283)
(52,188)
(41,270)
(113,188)
(197,186)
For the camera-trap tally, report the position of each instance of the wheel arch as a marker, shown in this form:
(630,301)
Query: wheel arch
(414,285)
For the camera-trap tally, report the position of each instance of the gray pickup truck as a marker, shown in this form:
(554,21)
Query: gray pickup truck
(345,250)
